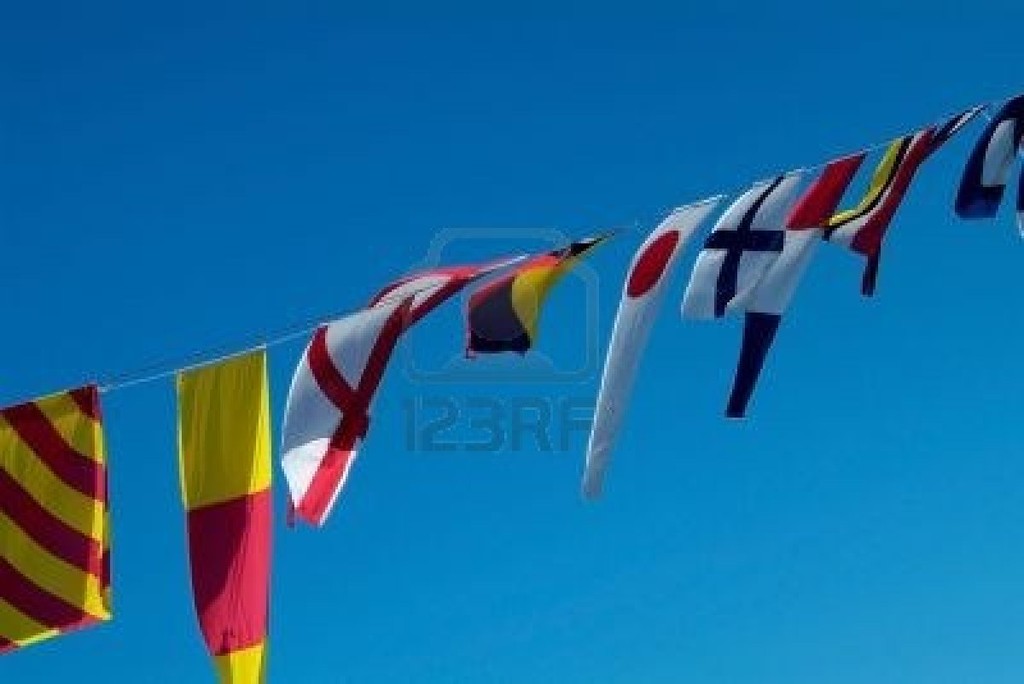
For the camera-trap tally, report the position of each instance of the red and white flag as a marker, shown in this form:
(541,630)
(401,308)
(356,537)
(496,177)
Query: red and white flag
(327,414)
(328,410)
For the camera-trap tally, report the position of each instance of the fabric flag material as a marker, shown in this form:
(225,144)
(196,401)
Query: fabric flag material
(988,168)
(862,228)
(818,203)
(769,301)
(745,241)
(327,414)
(814,216)
(643,290)
(225,468)
(503,315)
(54,518)
(774,291)
(751,263)
(429,289)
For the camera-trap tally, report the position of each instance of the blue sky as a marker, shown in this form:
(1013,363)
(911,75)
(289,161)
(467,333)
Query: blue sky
(185,178)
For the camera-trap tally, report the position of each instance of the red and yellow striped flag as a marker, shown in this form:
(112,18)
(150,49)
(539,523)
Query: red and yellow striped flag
(54,550)
(224,457)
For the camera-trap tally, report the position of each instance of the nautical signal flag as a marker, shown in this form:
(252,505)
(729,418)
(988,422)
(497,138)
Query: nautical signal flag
(988,168)
(862,227)
(224,460)
(645,284)
(751,263)
(327,414)
(503,315)
(54,530)
(746,240)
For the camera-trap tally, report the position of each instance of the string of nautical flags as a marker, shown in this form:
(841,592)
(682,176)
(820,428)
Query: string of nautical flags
(160,370)
(164,369)
(54,522)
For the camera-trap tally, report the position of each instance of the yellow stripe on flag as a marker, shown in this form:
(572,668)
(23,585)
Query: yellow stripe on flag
(224,455)
(52,450)
(531,288)
(78,511)
(879,181)
(247,666)
(80,431)
(53,575)
(224,409)
(20,629)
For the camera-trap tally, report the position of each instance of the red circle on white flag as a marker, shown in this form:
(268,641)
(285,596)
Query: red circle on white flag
(651,264)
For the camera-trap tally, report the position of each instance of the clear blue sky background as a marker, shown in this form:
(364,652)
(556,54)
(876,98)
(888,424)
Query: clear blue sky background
(183,178)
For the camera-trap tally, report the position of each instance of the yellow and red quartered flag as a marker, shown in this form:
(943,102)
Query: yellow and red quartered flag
(54,531)
(224,458)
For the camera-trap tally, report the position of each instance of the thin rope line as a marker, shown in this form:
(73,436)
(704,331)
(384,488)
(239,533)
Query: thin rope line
(211,355)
